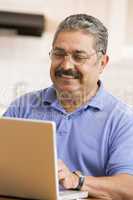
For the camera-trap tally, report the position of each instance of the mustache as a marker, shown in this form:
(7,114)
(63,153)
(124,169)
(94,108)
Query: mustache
(60,71)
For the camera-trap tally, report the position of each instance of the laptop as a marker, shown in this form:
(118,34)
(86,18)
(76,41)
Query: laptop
(28,161)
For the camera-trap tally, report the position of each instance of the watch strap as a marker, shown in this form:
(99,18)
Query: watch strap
(81,180)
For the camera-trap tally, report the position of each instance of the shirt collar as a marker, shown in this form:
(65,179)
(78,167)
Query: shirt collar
(49,95)
(97,102)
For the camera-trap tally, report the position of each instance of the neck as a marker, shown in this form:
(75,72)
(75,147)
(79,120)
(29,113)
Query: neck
(73,100)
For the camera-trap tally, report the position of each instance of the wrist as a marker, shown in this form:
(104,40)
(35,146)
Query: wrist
(75,181)
(80,180)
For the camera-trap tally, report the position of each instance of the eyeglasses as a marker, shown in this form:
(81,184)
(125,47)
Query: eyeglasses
(77,58)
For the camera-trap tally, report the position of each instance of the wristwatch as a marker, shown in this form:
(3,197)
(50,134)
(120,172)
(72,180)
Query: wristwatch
(81,179)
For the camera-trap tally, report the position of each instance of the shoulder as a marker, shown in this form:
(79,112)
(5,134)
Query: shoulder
(117,115)
(25,103)
(30,98)
(120,118)
(116,106)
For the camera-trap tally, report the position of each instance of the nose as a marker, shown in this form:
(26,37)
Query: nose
(67,62)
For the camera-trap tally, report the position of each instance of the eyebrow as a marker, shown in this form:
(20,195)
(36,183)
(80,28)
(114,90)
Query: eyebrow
(80,51)
(59,48)
(76,51)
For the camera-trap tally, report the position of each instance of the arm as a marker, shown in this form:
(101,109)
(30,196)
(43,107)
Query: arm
(118,187)
(112,187)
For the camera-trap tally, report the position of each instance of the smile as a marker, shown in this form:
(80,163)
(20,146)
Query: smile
(67,76)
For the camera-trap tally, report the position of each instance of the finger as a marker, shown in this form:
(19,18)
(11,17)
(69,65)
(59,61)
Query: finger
(61,165)
(61,175)
(60,162)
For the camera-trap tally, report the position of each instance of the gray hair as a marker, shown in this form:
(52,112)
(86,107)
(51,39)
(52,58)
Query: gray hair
(87,24)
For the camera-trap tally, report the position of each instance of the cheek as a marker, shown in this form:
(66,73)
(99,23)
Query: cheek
(52,69)
(89,74)
(84,70)
(52,72)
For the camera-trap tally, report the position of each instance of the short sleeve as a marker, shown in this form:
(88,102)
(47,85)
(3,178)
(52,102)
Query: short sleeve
(120,158)
(14,109)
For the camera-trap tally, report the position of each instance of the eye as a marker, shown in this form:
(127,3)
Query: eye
(58,54)
(79,57)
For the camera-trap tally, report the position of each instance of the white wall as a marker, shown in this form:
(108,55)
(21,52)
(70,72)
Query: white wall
(57,9)
(23,63)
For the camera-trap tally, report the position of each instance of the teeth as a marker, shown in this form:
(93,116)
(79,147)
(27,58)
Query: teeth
(67,76)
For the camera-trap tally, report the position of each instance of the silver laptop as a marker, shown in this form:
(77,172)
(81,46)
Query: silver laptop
(28,161)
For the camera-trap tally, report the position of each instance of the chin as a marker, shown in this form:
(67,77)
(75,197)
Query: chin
(66,88)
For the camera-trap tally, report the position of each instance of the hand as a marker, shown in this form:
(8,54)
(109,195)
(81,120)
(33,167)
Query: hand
(66,178)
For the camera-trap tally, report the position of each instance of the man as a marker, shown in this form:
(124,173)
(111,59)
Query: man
(94,129)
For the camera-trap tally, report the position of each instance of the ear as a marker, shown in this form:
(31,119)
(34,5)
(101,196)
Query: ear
(103,62)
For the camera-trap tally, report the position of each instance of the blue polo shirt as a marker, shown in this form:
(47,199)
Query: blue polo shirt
(96,139)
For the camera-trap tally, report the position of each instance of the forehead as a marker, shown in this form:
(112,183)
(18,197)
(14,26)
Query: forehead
(76,40)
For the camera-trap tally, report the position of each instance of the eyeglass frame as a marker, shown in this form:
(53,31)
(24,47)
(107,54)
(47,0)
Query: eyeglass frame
(71,55)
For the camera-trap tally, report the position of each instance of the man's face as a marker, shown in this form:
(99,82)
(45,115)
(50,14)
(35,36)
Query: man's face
(75,66)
